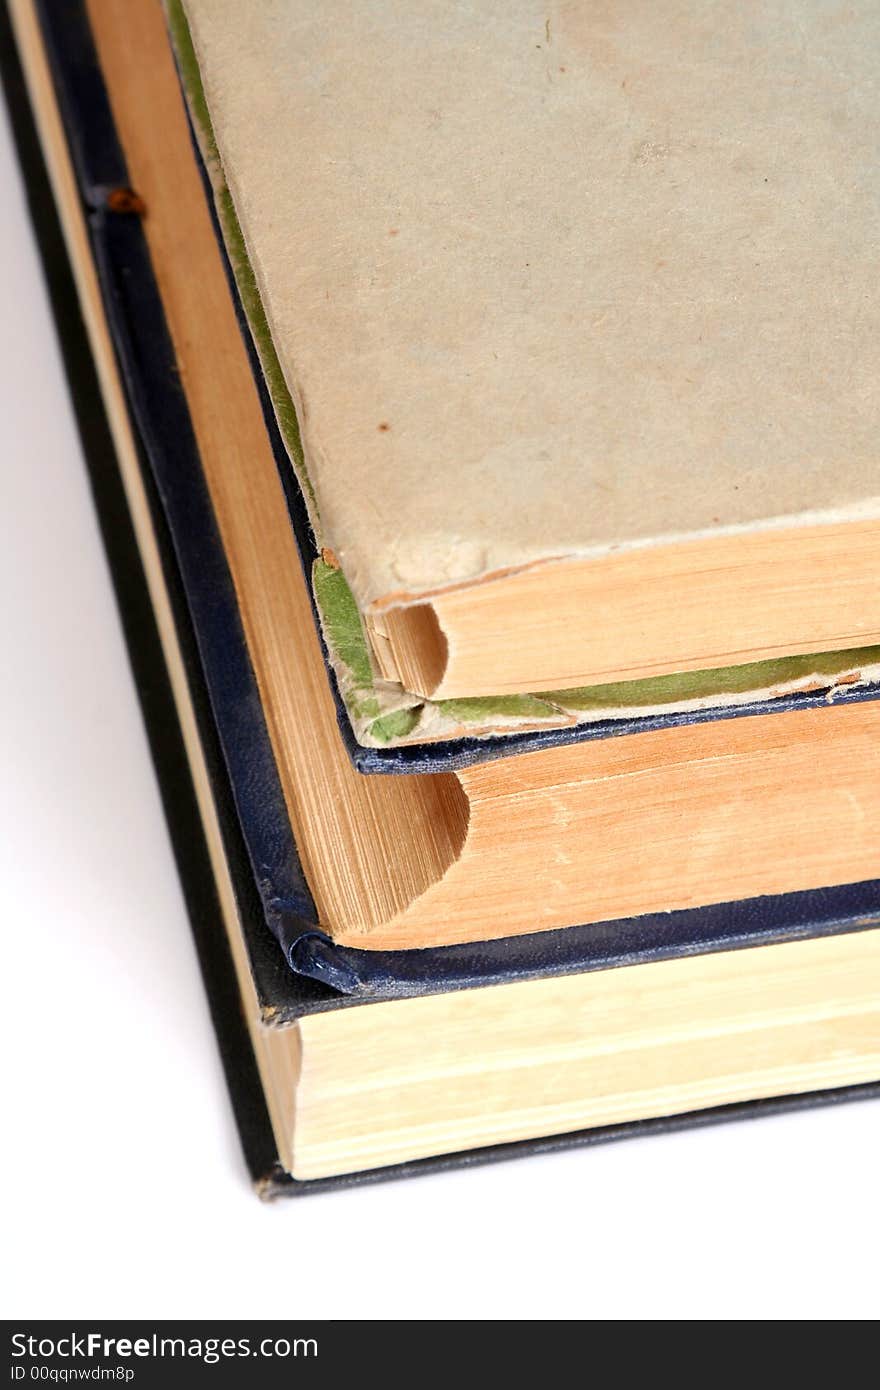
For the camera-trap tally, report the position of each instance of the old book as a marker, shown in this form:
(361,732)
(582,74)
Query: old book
(462,848)
(590,1034)
(567,314)
(406,1075)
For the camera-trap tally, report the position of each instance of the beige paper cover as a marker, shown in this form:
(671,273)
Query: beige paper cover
(546,279)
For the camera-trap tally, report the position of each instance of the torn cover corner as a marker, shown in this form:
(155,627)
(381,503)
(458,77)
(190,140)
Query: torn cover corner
(309,951)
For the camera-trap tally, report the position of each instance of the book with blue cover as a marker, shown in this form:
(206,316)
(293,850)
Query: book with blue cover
(605,872)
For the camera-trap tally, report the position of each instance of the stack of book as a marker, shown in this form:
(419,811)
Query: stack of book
(494,396)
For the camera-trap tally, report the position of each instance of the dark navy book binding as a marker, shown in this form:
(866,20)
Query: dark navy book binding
(299,993)
(322,974)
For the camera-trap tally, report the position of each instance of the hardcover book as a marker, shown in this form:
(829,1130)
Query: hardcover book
(566,319)
(588,960)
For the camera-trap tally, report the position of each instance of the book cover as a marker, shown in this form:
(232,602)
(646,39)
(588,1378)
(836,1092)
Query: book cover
(515,219)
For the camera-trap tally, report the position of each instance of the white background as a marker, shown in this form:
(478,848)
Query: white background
(125,1188)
